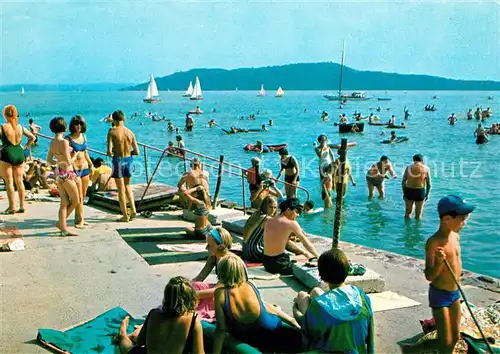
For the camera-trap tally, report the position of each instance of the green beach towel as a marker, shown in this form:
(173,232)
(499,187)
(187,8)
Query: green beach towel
(93,336)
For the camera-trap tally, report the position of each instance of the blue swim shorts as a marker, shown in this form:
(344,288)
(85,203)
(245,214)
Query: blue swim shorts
(122,167)
(439,298)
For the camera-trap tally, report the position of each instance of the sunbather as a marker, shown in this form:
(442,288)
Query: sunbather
(242,313)
(199,199)
(173,328)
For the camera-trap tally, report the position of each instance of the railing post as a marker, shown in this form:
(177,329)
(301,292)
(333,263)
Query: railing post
(184,159)
(243,192)
(146,163)
(151,180)
(219,181)
(340,194)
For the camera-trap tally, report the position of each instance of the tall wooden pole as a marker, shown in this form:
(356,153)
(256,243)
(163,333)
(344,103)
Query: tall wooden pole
(219,181)
(340,194)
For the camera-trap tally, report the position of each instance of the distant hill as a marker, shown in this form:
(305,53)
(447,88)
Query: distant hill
(65,87)
(311,76)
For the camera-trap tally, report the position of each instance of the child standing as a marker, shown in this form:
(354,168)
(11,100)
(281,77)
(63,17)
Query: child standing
(444,297)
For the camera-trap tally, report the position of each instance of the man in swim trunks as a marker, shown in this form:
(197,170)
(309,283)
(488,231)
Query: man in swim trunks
(277,232)
(193,178)
(416,186)
(290,166)
(377,174)
(35,129)
(123,146)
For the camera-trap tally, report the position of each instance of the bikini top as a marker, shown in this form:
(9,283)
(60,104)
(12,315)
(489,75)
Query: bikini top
(288,164)
(76,146)
(265,320)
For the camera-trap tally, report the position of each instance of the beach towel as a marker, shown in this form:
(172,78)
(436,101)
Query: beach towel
(93,336)
(187,247)
(259,273)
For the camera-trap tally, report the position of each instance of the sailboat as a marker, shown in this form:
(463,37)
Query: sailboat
(262,92)
(22,91)
(189,90)
(197,94)
(353,96)
(280,92)
(152,91)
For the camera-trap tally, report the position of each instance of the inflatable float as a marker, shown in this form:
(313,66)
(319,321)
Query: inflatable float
(195,112)
(377,124)
(392,126)
(266,148)
(239,130)
(399,139)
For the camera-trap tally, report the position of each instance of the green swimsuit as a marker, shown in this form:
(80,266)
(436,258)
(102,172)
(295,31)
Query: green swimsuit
(10,153)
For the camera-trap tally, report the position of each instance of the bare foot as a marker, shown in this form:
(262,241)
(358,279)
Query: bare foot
(68,233)
(124,326)
(124,218)
(80,225)
(133,216)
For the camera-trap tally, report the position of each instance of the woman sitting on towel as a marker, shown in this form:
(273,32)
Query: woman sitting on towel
(253,232)
(173,328)
(219,243)
(200,201)
(339,320)
(241,312)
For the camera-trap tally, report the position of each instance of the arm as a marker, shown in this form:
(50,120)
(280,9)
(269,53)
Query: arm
(275,191)
(303,238)
(31,138)
(318,151)
(350,175)
(135,147)
(427,183)
(141,338)
(299,316)
(434,260)
(390,169)
(205,271)
(403,181)
(50,156)
(259,192)
(198,337)
(182,182)
(109,144)
(220,331)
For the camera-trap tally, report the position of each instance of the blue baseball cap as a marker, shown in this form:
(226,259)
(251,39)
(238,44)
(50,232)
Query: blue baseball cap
(454,203)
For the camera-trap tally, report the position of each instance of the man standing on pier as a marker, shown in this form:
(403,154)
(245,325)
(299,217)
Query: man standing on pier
(122,146)
(416,186)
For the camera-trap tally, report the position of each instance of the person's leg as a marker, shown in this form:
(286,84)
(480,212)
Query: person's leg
(130,197)
(370,188)
(455,317)
(125,343)
(296,249)
(293,190)
(441,316)
(79,223)
(122,199)
(408,208)
(61,224)
(18,172)
(419,206)
(381,191)
(71,188)
(9,184)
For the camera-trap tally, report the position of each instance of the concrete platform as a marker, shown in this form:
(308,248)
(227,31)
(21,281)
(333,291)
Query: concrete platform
(216,216)
(370,282)
(235,224)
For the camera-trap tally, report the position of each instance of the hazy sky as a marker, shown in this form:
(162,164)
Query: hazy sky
(48,42)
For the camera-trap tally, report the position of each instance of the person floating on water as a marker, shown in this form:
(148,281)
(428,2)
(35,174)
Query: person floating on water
(324,116)
(442,250)
(393,137)
(170,127)
(198,110)
(452,119)
(211,123)
(416,186)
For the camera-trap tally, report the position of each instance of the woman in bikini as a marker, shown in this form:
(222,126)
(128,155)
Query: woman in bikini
(290,167)
(172,328)
(200,201)
(253,232)
(12,157)
(83,165)
(60,155)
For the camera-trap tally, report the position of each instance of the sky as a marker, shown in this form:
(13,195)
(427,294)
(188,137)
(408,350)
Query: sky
(72,42)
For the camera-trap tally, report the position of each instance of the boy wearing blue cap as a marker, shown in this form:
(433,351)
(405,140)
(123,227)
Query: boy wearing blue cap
(444,297)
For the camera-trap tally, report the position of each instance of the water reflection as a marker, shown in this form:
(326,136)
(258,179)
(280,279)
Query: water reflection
(412,236)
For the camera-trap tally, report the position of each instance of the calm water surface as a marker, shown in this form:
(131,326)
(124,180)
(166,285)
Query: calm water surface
(458,164)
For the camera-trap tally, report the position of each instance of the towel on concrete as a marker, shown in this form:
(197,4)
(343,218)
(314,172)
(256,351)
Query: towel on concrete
(184,247)
(93,336)
(259,273)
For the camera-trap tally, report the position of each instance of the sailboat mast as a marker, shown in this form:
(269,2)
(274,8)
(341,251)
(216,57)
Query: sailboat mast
(341,69)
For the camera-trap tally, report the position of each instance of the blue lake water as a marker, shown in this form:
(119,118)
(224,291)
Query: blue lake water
(458,165)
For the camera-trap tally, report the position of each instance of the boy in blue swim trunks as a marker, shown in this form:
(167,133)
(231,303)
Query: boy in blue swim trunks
(122,146)
(444,297)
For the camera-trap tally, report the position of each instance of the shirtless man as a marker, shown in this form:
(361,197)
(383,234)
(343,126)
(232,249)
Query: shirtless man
(452,119)
(35,129)
(290,166)
(122,146)
(416,186)
(376,175)
(277,232)
(444,297)
(191,179)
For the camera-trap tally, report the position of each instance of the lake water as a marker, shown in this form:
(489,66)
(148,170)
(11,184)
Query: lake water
(458,165)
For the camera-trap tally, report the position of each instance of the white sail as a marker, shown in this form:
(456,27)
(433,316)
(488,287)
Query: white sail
(152,84)
(262,92)
(197,88)
(148,93)
(189,90)
(280,92)
(22,91)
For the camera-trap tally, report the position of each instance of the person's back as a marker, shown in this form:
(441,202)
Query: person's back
(276,233)
(416,174)
(123,140)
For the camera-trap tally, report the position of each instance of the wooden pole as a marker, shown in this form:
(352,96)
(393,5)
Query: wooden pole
(219,181)
(340,194)
(243,192)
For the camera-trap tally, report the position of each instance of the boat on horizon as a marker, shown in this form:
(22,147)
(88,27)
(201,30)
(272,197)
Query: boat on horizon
(353,96)
(279,92)
(197,94)
(152,91)
(384,99)
(22,91)
(189,90)
(262,92)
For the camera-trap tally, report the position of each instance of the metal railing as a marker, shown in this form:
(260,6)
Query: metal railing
(220,168)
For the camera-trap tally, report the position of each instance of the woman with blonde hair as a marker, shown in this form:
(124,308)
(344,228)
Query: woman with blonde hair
(12,156)
(241,312)
(60,155)
(83,164)
(253,232)
(173,328)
